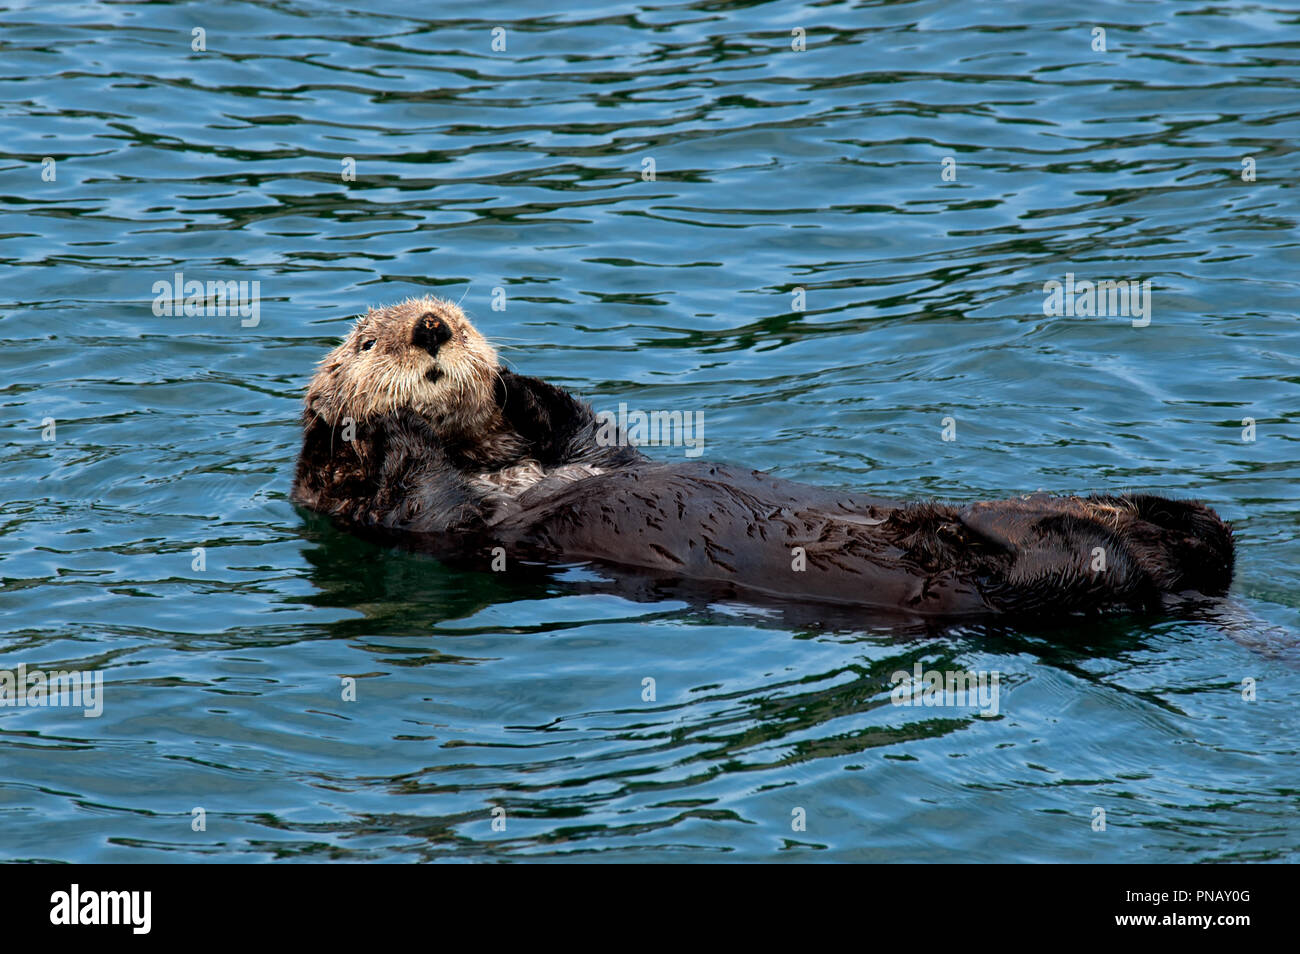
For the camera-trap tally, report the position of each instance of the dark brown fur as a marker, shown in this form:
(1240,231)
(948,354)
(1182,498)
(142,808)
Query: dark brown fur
(516,463)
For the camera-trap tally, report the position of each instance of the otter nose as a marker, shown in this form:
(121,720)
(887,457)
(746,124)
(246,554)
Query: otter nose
(430,333)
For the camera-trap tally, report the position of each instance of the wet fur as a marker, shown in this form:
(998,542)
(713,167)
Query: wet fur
(453,453)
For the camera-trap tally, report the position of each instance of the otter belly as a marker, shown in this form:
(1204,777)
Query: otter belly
(710,523)
(748,530)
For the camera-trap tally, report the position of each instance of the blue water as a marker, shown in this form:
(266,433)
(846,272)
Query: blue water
(521,169)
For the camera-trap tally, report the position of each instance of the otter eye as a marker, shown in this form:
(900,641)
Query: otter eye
(368,345)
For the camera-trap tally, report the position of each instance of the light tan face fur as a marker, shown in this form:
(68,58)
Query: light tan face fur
(359,380)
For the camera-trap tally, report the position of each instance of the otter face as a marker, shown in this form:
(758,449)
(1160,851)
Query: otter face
(421,355)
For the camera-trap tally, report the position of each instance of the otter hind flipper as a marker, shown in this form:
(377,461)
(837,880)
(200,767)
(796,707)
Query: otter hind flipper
(1101,551)
(1006,524)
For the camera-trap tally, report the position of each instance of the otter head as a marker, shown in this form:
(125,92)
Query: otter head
(422,355)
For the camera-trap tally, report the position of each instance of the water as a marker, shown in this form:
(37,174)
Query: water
(522,170)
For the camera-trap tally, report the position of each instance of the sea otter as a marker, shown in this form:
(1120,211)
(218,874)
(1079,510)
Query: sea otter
(414,431)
